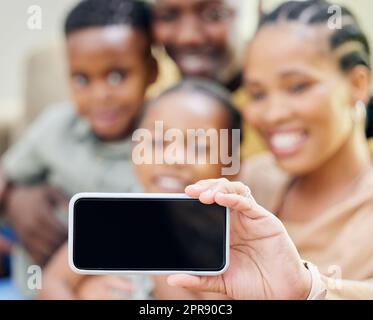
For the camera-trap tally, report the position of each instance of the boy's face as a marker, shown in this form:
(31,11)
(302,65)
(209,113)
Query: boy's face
(198,112)
(198,35)
(110,70)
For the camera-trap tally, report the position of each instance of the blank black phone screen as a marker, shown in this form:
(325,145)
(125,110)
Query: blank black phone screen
(148,234)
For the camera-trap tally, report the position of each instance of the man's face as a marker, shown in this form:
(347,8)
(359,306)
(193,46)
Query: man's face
(197,34)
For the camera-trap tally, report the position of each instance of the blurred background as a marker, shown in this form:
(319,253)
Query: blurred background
(31,64)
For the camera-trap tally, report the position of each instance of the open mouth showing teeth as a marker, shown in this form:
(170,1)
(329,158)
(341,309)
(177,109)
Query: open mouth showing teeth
(193,63)
(287,143)
(169,184)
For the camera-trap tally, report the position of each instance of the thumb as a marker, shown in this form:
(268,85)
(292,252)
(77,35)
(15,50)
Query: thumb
(199,283)
(119,283)
(56,196)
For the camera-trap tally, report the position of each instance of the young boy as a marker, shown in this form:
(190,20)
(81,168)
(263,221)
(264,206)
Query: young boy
(83,146)
(186,106)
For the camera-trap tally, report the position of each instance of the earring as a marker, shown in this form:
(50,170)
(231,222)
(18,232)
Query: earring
(360,112)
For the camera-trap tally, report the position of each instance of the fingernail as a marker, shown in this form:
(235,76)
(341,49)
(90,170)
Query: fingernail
(195,186)
(207,192)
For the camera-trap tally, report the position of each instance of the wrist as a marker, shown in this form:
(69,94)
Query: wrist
(316,290)
(304,284)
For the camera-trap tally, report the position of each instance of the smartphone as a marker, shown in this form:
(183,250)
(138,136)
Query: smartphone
(147,233)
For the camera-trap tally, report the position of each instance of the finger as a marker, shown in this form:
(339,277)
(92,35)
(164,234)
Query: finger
(36,255)
(119,283)
(40,243)
(118,288)
(224,186)
(196,189)
(205,182)
(49,236)
(45,213)
(56,196)
(5,245)
(244,205)
(45,242)
(39,247)
(210,284)
(45,235)
(51,223)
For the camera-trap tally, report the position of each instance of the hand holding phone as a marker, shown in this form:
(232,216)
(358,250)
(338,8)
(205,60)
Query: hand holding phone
(264,262)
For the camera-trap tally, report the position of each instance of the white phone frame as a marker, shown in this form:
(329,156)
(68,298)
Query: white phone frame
(138,196)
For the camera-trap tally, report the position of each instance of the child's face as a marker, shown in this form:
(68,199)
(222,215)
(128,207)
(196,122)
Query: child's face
(183,111)
(109,72)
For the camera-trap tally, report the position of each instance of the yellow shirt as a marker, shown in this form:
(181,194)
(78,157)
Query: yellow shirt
(170,75)
(370,144)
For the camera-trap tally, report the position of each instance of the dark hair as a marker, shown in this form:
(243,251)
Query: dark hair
(101,13)
(213,91)
(316,12)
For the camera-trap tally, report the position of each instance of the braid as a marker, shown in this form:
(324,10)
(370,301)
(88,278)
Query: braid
(349,42)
